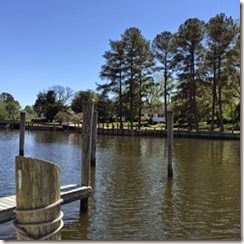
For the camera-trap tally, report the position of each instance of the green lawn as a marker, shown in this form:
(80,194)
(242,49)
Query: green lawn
(203,126)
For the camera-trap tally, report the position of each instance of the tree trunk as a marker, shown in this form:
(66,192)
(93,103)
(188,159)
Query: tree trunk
(194,102)
(220,110)
(195,110)
(120,103)
(220,98)
(139,120)
(131,94)
(131,104)
(139,112)
(214,98)
(140,104)
(190,116)
(165,96)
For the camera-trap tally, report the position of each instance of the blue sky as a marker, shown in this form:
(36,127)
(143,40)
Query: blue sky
(61,42)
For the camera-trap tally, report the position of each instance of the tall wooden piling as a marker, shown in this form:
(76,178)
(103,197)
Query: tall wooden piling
(94,138)
(22,134)
(38,214)
(170,120)
(86,150)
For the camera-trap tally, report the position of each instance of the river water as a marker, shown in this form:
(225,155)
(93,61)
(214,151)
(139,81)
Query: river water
(133,199)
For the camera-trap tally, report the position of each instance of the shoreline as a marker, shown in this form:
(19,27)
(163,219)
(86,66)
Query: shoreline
(163,133)
(6,125)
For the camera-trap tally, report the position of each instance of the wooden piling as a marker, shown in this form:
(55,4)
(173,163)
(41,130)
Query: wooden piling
(170,121)
(86,150)
(37,200)
(22,134)
(94,138)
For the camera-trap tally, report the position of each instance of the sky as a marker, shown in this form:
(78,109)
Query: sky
(61,42)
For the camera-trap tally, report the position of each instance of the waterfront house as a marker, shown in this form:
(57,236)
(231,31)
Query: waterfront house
(156,113)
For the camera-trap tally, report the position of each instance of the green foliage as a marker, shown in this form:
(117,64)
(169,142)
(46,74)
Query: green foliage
(30,112)
(139,64)
(6,97)
(223,62)
(164,47)
(3,112)
(80,98)
(105,107)
(52,101)
(128,67)
(46,105)
(114,71)
(189,57)
(9,107)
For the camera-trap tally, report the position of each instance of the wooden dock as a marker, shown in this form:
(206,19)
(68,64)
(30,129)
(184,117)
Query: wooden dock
(69,193)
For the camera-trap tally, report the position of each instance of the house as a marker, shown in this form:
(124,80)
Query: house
(155,112)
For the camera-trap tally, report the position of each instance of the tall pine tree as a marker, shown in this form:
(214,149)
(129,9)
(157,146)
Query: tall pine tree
(221,32)
(189,57)
(114,71)
(164,49)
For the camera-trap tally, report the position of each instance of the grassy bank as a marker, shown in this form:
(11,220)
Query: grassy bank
(229,128)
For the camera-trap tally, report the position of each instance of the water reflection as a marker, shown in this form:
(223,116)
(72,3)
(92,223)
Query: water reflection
(133,199)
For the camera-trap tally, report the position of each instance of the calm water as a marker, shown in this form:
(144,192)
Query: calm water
(133,199)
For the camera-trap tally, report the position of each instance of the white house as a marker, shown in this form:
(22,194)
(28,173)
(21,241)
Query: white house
(156,113)
(158,118)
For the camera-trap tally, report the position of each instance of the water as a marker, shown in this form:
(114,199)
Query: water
(133,199)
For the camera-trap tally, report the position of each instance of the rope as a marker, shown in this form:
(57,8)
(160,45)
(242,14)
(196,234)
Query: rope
(26,236)
(39,209)
(19,226)
(53,232)
(40,224)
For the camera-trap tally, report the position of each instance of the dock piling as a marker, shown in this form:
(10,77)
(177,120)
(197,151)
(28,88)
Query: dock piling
(22,134)
(88,109)
(170,121)
(94,138)
(38,215)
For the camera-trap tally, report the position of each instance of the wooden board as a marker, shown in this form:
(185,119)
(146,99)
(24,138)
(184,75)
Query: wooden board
(69,193)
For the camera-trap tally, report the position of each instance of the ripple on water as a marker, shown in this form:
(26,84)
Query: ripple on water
(133,199)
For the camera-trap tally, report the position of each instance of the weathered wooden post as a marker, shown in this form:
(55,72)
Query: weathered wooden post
(94,138)
(22,134)
(170,132)
(86,150)
(38,215)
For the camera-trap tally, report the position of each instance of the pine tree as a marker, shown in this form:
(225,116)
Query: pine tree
(221,32)
(114,71)
(164,49)
(189,57)
(139,63)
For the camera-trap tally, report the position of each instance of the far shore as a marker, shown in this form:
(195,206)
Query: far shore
(144,131)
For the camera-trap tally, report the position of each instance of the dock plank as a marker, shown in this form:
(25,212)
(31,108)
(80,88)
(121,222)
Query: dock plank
(69,193)
(8,201)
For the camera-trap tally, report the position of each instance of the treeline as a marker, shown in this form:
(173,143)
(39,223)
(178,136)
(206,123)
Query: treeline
(199,67)
(195,70)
